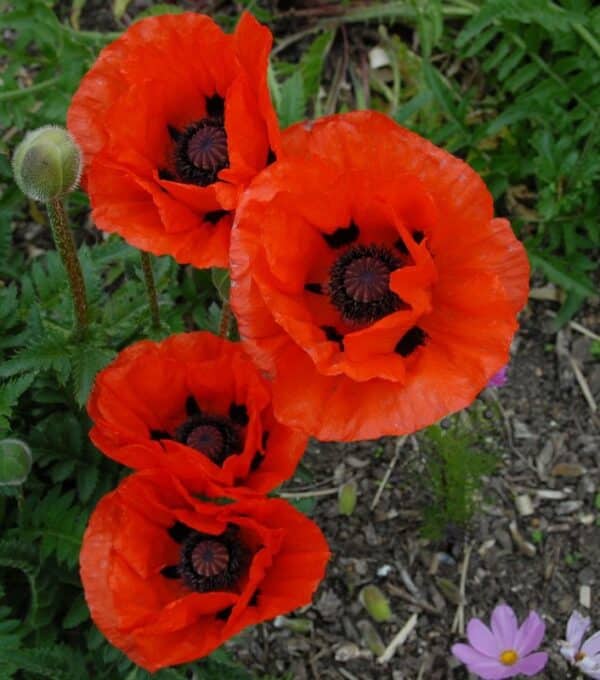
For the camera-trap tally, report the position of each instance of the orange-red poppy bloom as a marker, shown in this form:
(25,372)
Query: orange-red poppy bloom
(168,578)
(371,280)
(174,120)
(195,404)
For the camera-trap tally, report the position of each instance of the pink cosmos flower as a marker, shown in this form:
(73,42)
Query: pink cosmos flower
(587,656)
(500,378)
(506,650)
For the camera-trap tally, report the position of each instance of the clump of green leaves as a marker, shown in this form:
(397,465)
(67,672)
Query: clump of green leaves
(456,461)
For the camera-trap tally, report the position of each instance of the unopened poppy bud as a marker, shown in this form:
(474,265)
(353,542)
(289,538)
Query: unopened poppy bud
(347,498)
(15,462)
(376,603)
(47,163)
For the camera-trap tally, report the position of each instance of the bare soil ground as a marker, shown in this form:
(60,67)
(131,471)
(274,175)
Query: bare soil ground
(535,542)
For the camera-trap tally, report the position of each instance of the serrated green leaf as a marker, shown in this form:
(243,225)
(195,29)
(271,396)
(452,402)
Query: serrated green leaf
(87,480)
(88,360)
(10,392)
(77,614)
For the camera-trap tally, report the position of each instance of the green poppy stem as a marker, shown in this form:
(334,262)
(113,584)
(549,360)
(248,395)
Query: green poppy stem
(150,288)
(225,325)
(65,244)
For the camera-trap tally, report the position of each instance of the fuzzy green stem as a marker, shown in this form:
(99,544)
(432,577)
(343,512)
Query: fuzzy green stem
(150,288)
(225,324)
(65,244)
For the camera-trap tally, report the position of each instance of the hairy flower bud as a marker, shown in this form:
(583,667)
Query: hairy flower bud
(47,163)
(15,462)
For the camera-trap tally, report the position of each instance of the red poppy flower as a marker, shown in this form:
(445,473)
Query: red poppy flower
(198,406)
(371,280)
(168,578)
(175,119)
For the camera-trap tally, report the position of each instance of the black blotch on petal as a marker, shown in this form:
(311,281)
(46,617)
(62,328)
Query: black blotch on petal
(332,334)
(316,288)
(179,532)
(239,414)
(271,157)
(265,439)
(163,173)
(215,106)
(257,461)
(342,236)
(418,236)
(174,133)
(191,406)
(159,434)
(224,614)
(253,601)
(401,246)
(409,342)
(172,571)
(214,216)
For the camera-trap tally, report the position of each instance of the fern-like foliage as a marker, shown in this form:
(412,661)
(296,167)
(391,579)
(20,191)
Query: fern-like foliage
(60,525)
(456,460)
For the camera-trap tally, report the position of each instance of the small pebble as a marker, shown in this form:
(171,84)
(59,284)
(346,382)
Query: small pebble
(568,507)
(524,505)
(585,596)
(586,576)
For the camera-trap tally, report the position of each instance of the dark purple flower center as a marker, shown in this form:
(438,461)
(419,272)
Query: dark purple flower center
(207,438)
(201,152)
(359,283)
(207,147)
(209,558)
(215,436)
(366,279)
(208,563)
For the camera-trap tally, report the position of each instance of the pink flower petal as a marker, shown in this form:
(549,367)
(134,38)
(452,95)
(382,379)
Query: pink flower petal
(530,634)
(590,666)
(577,627)
(499,379)
(569,651)
(481,638)
(504,626)
(591,646)
(532,664)
(482,665)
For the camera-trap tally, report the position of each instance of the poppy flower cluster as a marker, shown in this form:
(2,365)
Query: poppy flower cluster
(169,577)
(374,293)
